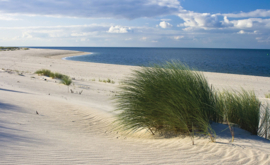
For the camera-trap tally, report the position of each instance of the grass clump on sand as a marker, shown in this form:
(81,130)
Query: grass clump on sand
(106,81)
(11,48)
(241,108)
(168,99)
(244,109)
(59,75)
(66,80)
(171,99)
(264,127)
(267,95)
(45,72)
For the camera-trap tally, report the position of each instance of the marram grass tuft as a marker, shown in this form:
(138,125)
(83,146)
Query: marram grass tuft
(66,80)
(171,99)
(168,98)
(241,108)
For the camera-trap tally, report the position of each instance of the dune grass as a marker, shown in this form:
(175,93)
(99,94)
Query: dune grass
(45,72)
(264,126)
(59,75)
(106,81)
(66,80)
(242,108)
(167,99)
(11,48)
(172,99)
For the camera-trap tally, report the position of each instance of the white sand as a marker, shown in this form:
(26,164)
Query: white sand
(76,129)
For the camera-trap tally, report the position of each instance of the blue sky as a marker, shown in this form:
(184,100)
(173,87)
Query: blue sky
(136,23)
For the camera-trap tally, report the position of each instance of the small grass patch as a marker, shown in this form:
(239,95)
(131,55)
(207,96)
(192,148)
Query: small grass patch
(107,81)
(59,75)
(12,48)
(267,95)
(45,72)
(66,80)
(241,108)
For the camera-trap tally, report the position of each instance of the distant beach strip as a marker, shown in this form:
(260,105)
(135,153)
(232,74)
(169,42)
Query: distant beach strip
(234,61)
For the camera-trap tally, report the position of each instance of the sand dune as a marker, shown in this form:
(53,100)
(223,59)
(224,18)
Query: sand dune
(76,129)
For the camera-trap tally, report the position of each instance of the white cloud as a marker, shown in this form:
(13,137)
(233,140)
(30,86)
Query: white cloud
(255,13)
(166,3)
(241,32)
(26,35)
(199,20)
(84,39)
(83,34)
(256,32)
(144,38)
(178,37)
(8,17)
(246,23)
(119,29)
(164,24)
(265,39)
(207,21)
(93,32)
(248,32)
(254,24)
(46,32)
(98,26)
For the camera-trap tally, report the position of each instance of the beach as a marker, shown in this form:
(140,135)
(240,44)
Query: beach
(42,122)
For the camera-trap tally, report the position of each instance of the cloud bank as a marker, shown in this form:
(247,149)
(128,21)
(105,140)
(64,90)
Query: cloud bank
(255,13)
(193,27)
(130,9)
(207,21)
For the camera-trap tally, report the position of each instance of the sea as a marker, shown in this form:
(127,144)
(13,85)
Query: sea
(235,61)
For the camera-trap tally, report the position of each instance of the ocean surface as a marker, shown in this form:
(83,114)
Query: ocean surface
(236,61)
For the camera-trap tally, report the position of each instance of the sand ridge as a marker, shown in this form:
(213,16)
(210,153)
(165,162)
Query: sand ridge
(76,129)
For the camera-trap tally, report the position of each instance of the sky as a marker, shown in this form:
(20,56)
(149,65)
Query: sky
(136,23)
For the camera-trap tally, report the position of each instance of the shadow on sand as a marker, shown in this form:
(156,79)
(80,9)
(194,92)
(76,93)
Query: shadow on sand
(8,90)
(12,131)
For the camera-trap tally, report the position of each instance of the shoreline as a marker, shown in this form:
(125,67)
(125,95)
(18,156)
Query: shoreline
(80,53)
(222,79)
(64,58)
(42,122)
(64,55)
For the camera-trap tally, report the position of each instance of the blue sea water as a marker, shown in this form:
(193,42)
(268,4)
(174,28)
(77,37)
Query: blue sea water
(236,61)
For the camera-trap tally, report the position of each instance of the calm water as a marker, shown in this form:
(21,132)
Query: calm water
(237,61)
